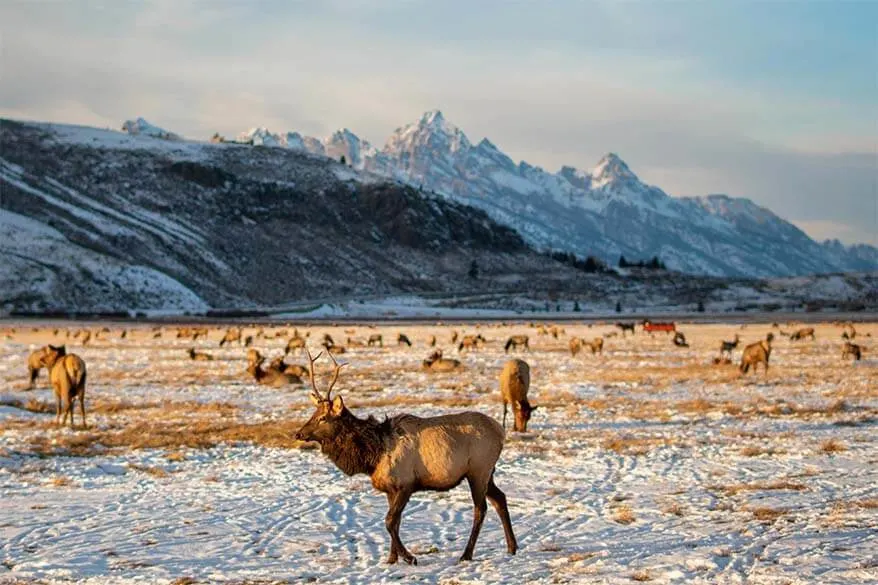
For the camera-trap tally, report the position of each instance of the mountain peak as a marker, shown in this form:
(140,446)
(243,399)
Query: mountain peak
(611,169)
(433,117)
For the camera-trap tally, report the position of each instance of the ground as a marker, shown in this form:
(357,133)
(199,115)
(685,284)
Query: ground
(646,463)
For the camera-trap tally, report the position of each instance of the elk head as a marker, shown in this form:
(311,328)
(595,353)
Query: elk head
(326,421)
(52,354)
(522,411)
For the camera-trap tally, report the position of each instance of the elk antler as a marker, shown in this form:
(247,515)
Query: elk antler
(338,368)
(314,392)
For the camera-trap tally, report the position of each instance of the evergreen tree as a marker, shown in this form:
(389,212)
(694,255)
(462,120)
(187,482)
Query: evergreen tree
(576,308)
(343,160)
(473,269)
(622,262)
(618,306)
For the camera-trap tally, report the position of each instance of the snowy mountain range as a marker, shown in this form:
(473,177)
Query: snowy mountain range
(606,211)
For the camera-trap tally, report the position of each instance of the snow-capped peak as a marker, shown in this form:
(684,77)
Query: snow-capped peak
(433,131)
(141,126)
(345,143)
(260,136)
(611,169)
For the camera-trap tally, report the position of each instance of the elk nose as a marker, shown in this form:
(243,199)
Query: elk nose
(299,436)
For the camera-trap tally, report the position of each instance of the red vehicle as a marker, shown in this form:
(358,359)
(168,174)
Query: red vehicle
(650,327)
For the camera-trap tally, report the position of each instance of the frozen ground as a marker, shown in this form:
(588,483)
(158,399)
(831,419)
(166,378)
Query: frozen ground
(646,463)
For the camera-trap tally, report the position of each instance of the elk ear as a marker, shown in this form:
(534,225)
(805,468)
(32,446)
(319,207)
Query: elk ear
(337,406)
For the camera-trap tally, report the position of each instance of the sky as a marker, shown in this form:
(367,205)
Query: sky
(775,100)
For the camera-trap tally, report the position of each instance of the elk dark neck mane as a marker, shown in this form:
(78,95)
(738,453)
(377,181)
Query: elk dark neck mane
(359,445)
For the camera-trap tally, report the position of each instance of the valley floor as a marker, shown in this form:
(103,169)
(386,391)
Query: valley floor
(645,463)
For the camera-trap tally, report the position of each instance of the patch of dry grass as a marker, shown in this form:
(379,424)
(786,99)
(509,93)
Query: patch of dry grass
(623,515)
(151,470)
(767,514)
(675,509)
(626,445)
(731,490)
(61,481)
(641,575)
(833,446)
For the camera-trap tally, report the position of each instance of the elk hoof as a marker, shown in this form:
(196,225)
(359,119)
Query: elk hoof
(391,560)
(410,559)
(465,557)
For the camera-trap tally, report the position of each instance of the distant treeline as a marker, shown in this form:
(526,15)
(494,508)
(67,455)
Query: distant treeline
(653,264)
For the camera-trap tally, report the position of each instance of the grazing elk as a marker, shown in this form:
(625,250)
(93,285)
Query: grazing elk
(248,341)
(803,333)
(407,454)
(516,341)
(470,342)
(37,361)
(514,384)
(727,347)
(199,356)
(375,339)
(327,340)
(402,339)
(556,331)
(231,336)
(596,345)
(650,327)
(851,350)
(436,363)
(756,353)
(575,345)
(67,374)
(454,338)
(849,333)
(624,327)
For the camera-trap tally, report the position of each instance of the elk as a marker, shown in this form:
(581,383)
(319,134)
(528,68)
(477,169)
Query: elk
(295,343)
(851,350)
(248,341)
(279,365)
(406,454)
(727,347)
(517,340)
(596,345)
(270,377)
(199,356)
(37,361)
(470,342)
(432,341)
(849,333)
(231,336)
(67,374)
(680,339)
(626,327)
(556,331)
(756,353)
(327,340)
(375,339)
(354,342)
(514,384)
(454,338)
(575,345)
(402,339)
(436,363)
(803,333)
(86,337)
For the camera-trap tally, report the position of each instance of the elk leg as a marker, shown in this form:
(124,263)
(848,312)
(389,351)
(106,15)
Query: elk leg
(397,502)
(498,500)
(479,507)
(504,415)
(82,408)
(65,407)
(33,377)
(57,409)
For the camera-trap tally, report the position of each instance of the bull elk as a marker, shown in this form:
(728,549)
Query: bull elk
(436,363)
(803,333)
(280,365)
(851,350)
(756,353)
(67,374)
(403,339)
(406,454)
(516,341)
(514,384)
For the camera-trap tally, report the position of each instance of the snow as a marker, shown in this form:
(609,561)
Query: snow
(241,512)
(142,127)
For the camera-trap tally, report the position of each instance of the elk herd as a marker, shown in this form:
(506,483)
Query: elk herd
(405,454)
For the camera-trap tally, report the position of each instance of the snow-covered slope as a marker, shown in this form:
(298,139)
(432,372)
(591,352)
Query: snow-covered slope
(606,211)
(140,126)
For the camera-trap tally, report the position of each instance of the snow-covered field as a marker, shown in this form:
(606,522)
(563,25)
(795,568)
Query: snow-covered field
(645,463)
